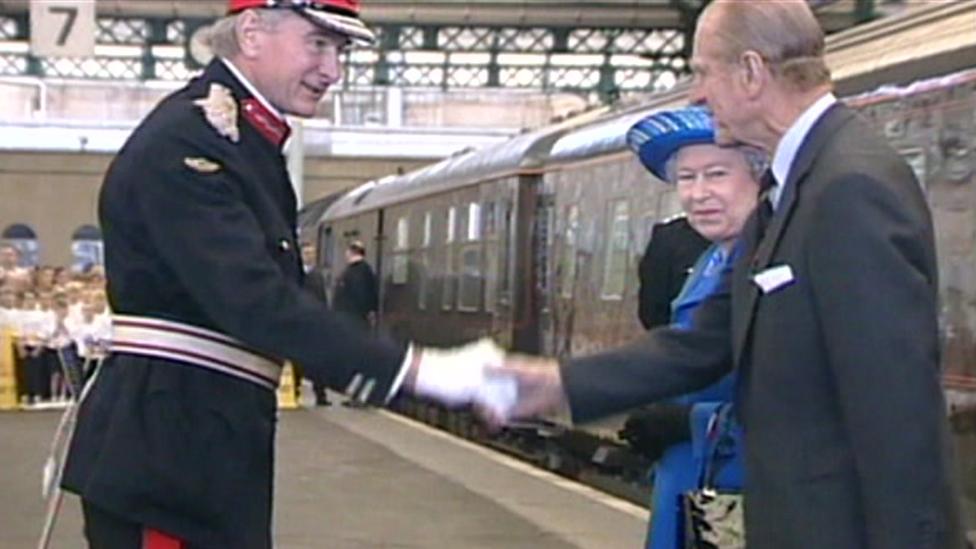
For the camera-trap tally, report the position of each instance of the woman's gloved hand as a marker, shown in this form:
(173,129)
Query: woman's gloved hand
(652,429)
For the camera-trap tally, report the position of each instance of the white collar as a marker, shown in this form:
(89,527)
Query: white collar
(790,143)
(254,91)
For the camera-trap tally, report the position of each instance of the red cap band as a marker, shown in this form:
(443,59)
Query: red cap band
(350,7)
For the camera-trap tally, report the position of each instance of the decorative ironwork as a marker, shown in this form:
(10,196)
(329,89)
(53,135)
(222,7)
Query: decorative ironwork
(13,64)
(608,61)
(9,30)
(98,68)
(122,32)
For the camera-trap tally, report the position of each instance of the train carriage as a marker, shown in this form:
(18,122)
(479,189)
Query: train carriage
(603,205)
(535,242)
(453,244)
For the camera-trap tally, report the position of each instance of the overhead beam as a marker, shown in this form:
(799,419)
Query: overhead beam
(623,14)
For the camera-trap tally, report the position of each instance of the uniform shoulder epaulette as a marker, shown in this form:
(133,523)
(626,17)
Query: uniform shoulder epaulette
(220,109)
(201,165)
(673,218)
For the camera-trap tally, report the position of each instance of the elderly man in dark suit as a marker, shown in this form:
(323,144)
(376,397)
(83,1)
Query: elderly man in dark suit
(830,316)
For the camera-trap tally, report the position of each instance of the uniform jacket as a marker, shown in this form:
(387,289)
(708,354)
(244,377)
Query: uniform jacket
(199,228)
(846,440)
(672,250)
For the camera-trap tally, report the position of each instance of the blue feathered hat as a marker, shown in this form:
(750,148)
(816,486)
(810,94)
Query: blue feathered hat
(656,137)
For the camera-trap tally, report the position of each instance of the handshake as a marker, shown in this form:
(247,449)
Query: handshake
(500,387)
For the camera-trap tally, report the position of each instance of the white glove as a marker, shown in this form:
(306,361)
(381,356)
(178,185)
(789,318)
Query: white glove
(497,396)
(454,376)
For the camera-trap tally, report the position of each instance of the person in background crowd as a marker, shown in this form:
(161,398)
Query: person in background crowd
(11,272)
(44,279)
(59,355)
(92,336)
(717,188)
(75,294)
(30,350)
(62,277)
(11,317)
(830,320)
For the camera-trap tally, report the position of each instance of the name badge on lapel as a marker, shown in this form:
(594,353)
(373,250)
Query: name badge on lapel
(773,278)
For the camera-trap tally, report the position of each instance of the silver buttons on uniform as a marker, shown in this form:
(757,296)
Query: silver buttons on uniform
(284,245)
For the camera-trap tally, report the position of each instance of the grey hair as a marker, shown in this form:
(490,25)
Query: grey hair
(785,33)
(222,37)
(756,160)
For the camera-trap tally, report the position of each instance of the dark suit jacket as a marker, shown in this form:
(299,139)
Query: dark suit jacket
(847,443)
(671,253)
(356,292)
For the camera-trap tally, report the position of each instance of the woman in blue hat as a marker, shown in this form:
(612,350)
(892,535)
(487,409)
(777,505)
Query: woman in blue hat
(717,188)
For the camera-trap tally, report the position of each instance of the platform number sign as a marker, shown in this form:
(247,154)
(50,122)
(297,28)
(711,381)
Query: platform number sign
(62,28)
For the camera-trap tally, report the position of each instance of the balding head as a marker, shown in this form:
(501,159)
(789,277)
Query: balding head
(785,33)
(758,65)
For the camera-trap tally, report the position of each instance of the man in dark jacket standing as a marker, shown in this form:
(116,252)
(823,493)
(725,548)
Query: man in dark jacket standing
(356,292)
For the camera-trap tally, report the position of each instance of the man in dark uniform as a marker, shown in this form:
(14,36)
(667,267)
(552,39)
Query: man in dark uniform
(175,441)
(671,253)
(356,293)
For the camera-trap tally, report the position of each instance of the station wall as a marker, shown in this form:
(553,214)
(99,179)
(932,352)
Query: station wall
(56,193)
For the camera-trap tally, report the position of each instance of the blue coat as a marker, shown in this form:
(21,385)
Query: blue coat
(680,466)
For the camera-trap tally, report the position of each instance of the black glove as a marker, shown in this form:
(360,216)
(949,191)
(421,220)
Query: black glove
(651,430)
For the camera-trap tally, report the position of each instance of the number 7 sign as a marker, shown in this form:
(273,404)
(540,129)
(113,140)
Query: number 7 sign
(62,28)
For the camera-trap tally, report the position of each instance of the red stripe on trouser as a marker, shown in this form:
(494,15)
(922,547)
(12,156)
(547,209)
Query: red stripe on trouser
(154,539)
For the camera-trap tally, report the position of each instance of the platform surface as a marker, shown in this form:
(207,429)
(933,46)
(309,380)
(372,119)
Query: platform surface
(350,479)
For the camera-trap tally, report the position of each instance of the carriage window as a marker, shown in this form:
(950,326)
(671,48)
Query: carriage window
(324,253)
(507,252)
(428,223)
(423,276)
(451,223)
(567,269)
(491,276)
(470,291)
(449,282)
(402,234)
(489,224)
(400,260)
(615,266)
(474,221)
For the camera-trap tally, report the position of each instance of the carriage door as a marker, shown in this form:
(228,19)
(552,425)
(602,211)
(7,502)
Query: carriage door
(563,293)
(543,243)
